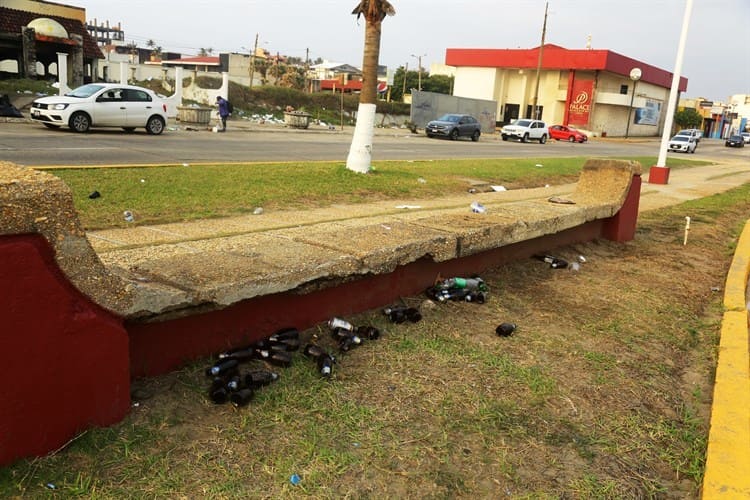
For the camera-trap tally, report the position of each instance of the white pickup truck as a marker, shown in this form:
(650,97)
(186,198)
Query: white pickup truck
(526,129)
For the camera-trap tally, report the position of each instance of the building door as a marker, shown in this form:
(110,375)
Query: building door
(538,112)
(510,112)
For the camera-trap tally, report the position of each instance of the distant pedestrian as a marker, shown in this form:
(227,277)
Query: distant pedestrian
(223,112)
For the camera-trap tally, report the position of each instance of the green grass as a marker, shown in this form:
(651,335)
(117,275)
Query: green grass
(179,193)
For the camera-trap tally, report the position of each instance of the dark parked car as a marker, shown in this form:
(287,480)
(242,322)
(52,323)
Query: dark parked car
(454,126)
(563,133)
(735,141)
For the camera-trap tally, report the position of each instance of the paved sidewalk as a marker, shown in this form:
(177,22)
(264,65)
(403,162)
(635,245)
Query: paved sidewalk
(684,184)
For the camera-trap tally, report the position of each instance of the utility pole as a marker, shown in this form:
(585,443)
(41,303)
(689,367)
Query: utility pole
(307,69)
(419,72)
(276,82)
(539,64)
(403,91)
(252,61)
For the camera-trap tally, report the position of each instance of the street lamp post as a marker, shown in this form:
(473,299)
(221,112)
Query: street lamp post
(635,75)
(419,72)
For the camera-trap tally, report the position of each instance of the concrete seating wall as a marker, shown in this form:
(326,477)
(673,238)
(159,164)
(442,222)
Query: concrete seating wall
(77,328)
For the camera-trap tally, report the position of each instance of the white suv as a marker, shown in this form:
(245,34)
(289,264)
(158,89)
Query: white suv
(526,129)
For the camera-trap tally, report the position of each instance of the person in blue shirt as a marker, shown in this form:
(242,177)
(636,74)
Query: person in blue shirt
(223,112)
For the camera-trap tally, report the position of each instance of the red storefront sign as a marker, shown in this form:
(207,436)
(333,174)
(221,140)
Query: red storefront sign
(580,102)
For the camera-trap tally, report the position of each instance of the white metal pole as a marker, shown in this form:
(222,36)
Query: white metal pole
(672,105)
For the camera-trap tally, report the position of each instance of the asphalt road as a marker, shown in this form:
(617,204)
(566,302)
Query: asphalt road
(33,145)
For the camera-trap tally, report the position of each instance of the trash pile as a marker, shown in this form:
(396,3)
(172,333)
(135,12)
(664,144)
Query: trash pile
(229,383)
(559,263)
(458,289)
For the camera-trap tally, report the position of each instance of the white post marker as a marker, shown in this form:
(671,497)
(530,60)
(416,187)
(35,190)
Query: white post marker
(687,229)
(360,154)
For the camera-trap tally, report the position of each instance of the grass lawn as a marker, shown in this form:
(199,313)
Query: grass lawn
(603,391)
(178,193)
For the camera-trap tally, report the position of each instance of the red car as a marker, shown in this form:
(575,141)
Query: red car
(563,133)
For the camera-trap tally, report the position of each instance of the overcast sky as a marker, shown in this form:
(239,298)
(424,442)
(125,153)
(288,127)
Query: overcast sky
(716,61)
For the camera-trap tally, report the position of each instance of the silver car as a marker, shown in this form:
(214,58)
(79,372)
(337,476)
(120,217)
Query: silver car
(454,126)
(103,105)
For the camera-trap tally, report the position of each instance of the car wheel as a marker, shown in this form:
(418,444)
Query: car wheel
(51,125)
(525,138)
(155,125)
(80,122)
(454,134)
(543,139)
(475,136)
(571,139)
(505,137)
(129,129)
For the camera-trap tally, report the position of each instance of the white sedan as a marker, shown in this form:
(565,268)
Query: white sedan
(103,105)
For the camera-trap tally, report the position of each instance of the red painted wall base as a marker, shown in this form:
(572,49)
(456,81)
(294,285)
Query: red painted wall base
(622,226)
(159,347)
(63,360)
(658,175)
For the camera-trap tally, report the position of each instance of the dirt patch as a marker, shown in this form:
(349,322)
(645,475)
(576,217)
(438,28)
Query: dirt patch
(603,391)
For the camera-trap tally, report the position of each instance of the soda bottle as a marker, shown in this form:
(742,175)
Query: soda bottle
(222,367)
(284,334)
(242,397)
(335,323)
(467,283)
(260,378)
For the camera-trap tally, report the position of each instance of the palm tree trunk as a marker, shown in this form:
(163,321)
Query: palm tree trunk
(360,152)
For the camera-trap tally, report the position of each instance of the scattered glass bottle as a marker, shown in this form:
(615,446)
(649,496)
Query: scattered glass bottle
(222,367)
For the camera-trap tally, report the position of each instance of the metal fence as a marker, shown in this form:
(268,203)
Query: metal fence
(426,106)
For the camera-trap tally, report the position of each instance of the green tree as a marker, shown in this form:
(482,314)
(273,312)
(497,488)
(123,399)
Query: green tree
(441,84)
(688,118)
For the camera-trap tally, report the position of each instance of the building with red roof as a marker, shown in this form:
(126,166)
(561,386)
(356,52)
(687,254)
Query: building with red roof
(34,32)
(588,89)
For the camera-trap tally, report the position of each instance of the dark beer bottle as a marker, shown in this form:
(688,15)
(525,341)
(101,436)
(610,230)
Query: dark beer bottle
(369,332)
(284,334)
(242,397)
(506,329)
(259,378)
(218,391)
(222,367)
(325,364)
(242,354)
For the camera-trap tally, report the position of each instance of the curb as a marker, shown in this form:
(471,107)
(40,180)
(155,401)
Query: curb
(728,453)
